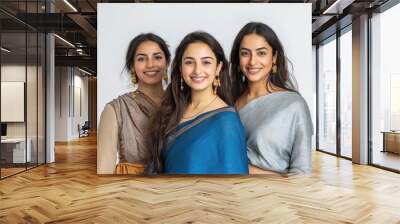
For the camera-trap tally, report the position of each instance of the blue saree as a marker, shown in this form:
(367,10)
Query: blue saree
(211,143)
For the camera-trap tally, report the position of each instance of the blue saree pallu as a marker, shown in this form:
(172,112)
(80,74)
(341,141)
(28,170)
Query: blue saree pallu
(211,143)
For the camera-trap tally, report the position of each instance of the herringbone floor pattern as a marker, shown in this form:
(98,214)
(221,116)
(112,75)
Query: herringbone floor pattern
(69,191)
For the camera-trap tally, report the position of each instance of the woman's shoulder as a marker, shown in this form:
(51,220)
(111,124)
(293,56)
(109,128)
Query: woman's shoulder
(108,114)
(226,112)
(298,101)
(227,122)
(289,99)
(121,98)
(299,107)
(295,98)
(222,110)
(227,115)
(124,96)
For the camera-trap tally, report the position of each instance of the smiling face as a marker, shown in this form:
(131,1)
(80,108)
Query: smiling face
(256,57)
(199,66)
(149,63)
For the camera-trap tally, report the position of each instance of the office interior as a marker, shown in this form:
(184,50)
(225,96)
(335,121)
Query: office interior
(48,79)
(48,76)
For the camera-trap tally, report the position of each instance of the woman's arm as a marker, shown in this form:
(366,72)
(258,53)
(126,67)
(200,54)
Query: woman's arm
(107,141)
(300,159)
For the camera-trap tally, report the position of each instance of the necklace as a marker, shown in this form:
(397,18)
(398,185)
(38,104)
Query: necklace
(205,107)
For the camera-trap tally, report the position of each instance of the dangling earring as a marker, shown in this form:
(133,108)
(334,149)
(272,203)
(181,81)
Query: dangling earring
(274,69)
(165,77)
(134,79)
(242,76)
(216,84)
(181,84)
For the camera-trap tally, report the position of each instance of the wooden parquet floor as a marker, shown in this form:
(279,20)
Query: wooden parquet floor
(69,191)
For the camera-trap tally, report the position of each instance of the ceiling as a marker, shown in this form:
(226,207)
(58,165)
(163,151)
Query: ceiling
(75,21)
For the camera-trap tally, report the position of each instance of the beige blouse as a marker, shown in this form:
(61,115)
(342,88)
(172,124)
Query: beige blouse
(121,146)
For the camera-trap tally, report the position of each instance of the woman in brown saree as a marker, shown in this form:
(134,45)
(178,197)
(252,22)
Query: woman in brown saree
(122,133)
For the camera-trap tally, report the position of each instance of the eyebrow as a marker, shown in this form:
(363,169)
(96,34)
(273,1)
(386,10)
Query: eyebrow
(261,48)
(141,54)
(192,58)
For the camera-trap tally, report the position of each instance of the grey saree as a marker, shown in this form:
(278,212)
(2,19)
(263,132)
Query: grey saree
(278,132)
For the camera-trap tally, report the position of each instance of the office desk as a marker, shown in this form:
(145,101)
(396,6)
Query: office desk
(13,150)
(391,141)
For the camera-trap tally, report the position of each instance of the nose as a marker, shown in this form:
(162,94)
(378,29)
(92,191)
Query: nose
(252,60)
(197,69)
(149,63)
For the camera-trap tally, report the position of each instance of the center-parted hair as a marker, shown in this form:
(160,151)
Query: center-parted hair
(176,99)
(282,79)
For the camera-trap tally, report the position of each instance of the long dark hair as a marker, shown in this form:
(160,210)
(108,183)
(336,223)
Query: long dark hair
(135,42)
(175,100)
(283,79)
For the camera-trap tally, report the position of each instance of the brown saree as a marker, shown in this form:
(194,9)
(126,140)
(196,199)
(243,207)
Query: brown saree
(133,112)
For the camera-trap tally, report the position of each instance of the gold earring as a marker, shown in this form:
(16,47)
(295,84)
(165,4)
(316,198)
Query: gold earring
(181,84)
(242,76)
(218,81)
(165,77)
(216,84)
(274,69)
(134,78)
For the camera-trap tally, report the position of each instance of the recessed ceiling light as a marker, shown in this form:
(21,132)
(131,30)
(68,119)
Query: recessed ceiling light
(5,50)
(337,7)
(64,40)
(84,71)
(70,5)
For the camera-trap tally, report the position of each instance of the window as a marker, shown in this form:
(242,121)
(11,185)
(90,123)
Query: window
(346,94)
(327,97)
(385,89)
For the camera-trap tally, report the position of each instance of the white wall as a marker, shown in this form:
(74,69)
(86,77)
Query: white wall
(61,103)
(79,117)
(119,23)
(68,82)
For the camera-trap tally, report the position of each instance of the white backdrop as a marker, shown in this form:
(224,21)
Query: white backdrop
(118,23)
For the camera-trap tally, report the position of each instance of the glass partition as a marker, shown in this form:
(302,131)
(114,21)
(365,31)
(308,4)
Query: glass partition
(22,77)
(14,153)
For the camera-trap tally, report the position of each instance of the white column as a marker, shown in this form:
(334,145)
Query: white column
(360,90)
(50,100)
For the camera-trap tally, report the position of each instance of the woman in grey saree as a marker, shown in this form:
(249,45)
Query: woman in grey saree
(276,117)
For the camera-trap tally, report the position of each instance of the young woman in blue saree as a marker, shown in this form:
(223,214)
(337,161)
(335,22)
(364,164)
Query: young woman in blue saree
(196,130)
